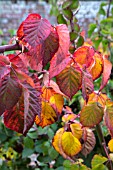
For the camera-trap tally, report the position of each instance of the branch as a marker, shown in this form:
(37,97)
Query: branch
(108,10)
(11,47)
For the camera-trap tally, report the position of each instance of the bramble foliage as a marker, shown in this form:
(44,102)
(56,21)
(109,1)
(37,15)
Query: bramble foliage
(52,68)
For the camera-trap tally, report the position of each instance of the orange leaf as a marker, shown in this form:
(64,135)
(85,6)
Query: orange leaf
(84,55)
(101,98)
(48,115)
(97,68)
(68,117)
(110,145)
(47,92)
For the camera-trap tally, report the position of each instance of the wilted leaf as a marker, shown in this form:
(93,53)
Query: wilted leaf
(69,80)
(87,84)
(109,116)
(76,129)
(98,160)
(32,106)
(14,118)
(57,102)
(70,144)
(97,68)
(101,98)
(48,115)
(10,91)
(84,55)
(91,114)
(110,145)
(60,59)
(89,141)
(106,73)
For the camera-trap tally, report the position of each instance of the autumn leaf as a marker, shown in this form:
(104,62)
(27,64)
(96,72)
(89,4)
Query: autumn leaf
(57,102)
(47,92)
(89,141)
(10,91)
(106,73)
(97,68)
(61,57)
(109,116)
(110,145)
(4,66)
(98,97)
(91,114)
(87,84)
(50,46)
(32,106)
(14,118)
(69,80)
(84,55)
(70,144)
(48,115)
(69,117)
(76,129)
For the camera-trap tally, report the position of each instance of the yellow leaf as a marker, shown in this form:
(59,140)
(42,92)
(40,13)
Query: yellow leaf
(70,144)
(58,102)
(76,129)
(57,140)
(110,145)
(48,115)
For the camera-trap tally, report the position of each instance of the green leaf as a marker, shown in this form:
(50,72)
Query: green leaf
(1,32)
(76,27)
(61,20)
(67,164)
(28,142)
(98,160)
(68,14)
(66,4)
(100,167)
(80,41)
(107,20)
(73,36)
(91,29)
(74,4)
(53,153)
(102,11)
(27,152)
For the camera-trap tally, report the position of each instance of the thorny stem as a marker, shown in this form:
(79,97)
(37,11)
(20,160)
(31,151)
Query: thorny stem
(11,47)
(103,145)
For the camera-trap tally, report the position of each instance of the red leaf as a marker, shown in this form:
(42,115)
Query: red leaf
(106,73)
(17,61)
(20,32)
(32,106)
(60,59)
(10,91)
(36,30)
(69,80)
(4,66)
(87,84)
(50,46)
(14,118)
